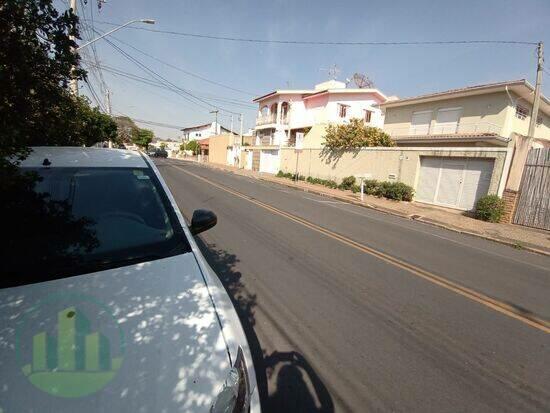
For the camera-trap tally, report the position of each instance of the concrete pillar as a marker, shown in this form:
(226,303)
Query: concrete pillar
(522,144)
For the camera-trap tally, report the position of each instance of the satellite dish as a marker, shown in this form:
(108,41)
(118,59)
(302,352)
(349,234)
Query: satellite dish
(362,81)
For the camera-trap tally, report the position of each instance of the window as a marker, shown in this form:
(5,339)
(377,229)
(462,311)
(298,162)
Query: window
(342,110)
(80,224)
(447,121)
(420,123)
(539,120)
(368,115)
(521,112)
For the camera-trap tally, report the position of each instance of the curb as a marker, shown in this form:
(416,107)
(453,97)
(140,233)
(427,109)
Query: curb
(381,209)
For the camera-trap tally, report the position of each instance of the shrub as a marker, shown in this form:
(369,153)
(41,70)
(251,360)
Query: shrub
(355,188)
(355,134)
(398,191)
(370,186)
(490,208)
(347,182)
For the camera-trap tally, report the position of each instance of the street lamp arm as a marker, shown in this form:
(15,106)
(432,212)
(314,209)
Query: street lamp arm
(147,21)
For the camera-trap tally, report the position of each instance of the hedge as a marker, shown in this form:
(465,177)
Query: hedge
(390,190)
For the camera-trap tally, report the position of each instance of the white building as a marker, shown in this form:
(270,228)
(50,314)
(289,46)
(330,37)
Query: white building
(283,113)
(199,132)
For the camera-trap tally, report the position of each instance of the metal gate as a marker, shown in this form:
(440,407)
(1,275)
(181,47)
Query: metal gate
(533,205)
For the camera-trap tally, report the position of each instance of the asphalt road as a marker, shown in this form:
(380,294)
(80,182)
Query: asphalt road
(349,309)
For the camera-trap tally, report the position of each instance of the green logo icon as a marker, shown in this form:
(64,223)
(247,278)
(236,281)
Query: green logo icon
(73,356)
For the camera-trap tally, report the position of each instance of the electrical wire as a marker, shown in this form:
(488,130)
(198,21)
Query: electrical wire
(184,71)
(182,92)
(121,73)
(325,43)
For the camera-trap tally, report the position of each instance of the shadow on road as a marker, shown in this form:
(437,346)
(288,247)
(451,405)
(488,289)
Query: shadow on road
(295,385)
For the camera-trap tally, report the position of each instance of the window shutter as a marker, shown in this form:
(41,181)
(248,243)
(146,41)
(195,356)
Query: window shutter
(447,121)
(420,123)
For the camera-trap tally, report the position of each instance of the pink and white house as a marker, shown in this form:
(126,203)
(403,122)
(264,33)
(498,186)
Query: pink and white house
(284,113)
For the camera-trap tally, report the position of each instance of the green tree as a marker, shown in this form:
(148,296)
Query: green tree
(143,138)
(182,147)
(162,145)
(35,69)
(355,135)
(193,146)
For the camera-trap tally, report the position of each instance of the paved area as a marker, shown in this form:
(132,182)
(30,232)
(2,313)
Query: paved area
(348,309)
(513,235)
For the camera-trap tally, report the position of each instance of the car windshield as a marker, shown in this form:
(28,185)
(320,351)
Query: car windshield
(80,220)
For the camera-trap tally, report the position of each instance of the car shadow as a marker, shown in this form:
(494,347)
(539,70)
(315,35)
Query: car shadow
(297,387)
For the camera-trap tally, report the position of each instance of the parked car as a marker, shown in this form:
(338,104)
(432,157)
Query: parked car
(108,304)
(161,153)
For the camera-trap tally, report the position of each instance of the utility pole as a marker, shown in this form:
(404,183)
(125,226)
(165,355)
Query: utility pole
(538,86)
(241,133)
(74,82)
(216,122)
(231,128)
(109,109)
(108,102)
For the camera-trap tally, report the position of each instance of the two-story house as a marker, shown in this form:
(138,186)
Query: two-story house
(483,115)
(284,114)
(491,115)
(200,132)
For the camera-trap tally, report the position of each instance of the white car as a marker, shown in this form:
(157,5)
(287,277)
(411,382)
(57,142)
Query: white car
(106,303)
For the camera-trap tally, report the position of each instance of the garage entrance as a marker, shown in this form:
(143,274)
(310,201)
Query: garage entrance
(453,182)
(269,161)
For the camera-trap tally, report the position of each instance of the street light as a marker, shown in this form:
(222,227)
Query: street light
(146,21)
(74,81)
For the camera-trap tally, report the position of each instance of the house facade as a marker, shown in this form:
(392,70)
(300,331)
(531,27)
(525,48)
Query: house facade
(483,115)
(284,115)
(199,132)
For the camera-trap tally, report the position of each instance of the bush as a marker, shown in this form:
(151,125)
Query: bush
(398,191)
(370,186)
(347,182)
(355,188)
(355,134)
(490,208)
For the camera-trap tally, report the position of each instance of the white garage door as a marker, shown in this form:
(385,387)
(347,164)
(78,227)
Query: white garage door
(453,182)
(269,161)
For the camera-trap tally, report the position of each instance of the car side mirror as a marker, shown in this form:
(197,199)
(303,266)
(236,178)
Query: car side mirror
(202,220)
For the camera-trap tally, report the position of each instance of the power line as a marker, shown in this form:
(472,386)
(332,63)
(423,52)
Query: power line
(94,95)
(182,92)
(150,122)
(325,43)
(184,71)
(119,72)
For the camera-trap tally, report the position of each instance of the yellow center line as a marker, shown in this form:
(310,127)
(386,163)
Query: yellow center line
(501,307)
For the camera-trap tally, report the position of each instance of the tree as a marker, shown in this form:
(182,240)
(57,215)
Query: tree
(127,130)
(193,146)
(36,63)
(163,145)
(143,138)
(182,147)
(355,135)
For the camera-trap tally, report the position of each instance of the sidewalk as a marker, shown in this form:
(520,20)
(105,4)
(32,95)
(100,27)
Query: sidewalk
(531,239)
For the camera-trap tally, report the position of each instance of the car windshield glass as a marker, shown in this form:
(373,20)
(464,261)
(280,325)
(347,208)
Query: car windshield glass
(80,220)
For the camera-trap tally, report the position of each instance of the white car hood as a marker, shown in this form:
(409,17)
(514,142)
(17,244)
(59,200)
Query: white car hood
(160,326)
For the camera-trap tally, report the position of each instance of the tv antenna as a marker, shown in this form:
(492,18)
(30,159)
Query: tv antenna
(333,71)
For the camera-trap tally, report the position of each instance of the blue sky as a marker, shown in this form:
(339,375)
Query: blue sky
(260,68)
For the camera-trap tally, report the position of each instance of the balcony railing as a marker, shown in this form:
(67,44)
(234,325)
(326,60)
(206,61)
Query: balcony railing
(268,119)
(444,129)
